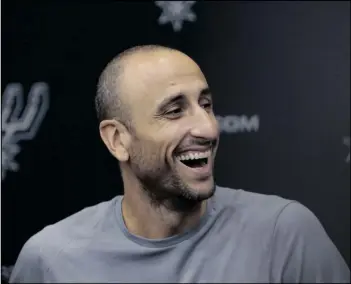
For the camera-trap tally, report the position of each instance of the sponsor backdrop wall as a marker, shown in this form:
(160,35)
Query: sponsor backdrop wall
(279,72)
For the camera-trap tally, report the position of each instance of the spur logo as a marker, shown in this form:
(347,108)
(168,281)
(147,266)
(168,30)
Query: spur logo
(20,122)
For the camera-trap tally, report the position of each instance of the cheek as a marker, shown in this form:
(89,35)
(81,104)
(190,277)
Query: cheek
(158,142)
(146,152)
(146,160)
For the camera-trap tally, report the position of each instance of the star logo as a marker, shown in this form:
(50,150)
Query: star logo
(175,12)
(347,143)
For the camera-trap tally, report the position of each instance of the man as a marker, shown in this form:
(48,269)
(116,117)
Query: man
(173,224)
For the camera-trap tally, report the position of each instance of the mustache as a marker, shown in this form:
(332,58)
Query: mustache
(198,142)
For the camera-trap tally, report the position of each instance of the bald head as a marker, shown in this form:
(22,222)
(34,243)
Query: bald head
(163,97)
(110,100)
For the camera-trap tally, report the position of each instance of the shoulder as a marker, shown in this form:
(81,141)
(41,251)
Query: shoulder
(251,203)
(302,251)
(289,215)
(297,218)
(300,225)
(57,244)
(252,213)
(80,227)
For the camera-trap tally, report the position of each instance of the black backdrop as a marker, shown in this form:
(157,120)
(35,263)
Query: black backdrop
(279,71)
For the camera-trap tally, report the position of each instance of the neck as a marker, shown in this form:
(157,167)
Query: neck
(147,219)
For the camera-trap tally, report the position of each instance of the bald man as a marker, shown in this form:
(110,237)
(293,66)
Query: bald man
(173,224)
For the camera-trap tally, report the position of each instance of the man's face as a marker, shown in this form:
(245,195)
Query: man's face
(175,134)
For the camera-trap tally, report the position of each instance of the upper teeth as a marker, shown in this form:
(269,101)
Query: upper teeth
(194,155)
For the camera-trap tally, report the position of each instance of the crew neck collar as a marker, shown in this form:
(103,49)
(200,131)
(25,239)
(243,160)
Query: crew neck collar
(165,242)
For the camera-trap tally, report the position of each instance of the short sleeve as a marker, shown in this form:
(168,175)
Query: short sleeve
(303,252)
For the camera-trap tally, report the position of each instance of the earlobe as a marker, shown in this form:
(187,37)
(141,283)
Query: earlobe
(123,155)
(112,134)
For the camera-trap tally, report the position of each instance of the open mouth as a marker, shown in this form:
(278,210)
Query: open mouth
(196,163)
(195,159)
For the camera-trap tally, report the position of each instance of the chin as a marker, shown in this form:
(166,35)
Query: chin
(200,190)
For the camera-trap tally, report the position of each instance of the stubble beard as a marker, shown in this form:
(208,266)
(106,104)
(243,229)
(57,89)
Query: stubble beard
(160,182)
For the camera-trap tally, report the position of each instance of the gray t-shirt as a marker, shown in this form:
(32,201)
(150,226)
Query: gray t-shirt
(243,237)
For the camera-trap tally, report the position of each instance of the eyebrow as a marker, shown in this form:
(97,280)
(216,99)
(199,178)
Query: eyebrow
(205,92)
(180,96)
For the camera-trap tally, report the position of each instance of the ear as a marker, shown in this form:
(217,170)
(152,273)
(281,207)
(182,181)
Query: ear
(116,138)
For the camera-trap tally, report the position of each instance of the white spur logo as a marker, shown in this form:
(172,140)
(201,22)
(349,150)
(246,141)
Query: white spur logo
(20,122)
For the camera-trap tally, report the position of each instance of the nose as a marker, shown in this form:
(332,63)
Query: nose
(204,125)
